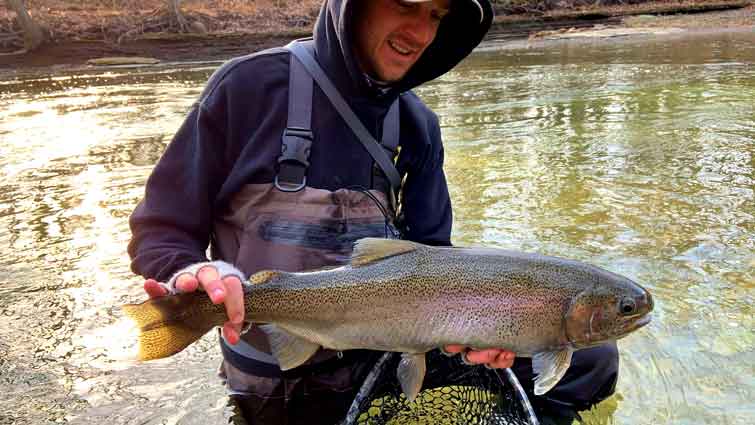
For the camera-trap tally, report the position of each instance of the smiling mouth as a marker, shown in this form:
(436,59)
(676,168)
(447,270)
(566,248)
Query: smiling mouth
(400,49)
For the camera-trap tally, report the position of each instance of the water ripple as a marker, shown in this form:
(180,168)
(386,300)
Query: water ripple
(636,157)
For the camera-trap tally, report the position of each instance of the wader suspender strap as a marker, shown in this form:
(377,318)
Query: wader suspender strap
(297,139)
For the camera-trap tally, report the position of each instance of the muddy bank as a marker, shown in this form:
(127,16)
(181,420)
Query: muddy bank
(167,47)
(164,48)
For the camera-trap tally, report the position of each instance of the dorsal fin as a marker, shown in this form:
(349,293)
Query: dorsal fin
(369,250)
(262,276)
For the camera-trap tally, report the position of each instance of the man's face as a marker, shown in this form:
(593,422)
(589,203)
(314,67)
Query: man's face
(391,35)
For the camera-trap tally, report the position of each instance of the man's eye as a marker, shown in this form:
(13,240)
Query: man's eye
(436,15)
(404,4)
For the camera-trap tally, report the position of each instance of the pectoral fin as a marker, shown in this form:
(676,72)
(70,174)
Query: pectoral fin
(290,350)
(411,373)
(549,368)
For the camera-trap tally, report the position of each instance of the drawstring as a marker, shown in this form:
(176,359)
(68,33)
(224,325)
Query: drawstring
(390,231)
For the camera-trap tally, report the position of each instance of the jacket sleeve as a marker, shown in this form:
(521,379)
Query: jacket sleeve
(426,202)
(171,226)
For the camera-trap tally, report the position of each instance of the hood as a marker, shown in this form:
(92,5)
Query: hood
(459,33)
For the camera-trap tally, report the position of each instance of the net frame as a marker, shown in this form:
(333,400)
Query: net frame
(453,393)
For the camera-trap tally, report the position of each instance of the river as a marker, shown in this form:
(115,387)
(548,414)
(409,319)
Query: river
(635,154)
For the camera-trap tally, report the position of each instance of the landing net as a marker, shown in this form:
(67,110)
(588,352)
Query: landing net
(453,393)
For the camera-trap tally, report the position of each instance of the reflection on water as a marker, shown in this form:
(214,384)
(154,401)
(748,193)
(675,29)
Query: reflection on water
(645,167)
(75,153)
(637,156)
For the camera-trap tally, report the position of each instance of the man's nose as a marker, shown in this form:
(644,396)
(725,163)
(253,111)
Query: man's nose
(422,31)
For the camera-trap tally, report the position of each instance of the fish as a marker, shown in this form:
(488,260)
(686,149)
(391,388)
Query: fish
(410,298)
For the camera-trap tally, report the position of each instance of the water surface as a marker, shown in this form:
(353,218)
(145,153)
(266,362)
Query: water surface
(636,155)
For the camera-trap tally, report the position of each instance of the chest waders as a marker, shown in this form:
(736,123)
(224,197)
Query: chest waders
(287,225)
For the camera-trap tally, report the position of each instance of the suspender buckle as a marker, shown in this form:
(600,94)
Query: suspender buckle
(294,159)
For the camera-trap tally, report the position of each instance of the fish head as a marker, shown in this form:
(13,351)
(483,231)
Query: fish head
(607,310)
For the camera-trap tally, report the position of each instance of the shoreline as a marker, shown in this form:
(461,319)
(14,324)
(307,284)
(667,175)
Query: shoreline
(169,47)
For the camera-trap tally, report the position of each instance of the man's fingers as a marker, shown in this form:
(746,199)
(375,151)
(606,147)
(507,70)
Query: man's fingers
(186,283)
(454,348)
(232,332)
(207,274)
(228,291)
(234,306)
(216,290)
(504,360)
(234,299)
(482,356)
(154,289)
(492,357)
(210,281)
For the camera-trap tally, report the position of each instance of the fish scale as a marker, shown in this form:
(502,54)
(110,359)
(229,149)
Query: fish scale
(456,295)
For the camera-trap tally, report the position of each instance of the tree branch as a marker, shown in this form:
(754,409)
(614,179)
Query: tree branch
(34,36)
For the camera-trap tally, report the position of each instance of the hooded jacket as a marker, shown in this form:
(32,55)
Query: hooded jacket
(231,137)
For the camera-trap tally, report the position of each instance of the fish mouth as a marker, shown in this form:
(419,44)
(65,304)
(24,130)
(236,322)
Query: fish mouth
(632,325)
(628,325)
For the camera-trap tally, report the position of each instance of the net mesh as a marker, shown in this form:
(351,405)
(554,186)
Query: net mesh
(453,393)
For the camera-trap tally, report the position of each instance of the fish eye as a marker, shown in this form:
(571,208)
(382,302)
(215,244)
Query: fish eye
(627,306)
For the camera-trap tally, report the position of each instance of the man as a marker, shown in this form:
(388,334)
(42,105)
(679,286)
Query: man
(218,184)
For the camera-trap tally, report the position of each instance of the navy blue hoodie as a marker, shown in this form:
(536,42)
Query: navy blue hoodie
(232,135)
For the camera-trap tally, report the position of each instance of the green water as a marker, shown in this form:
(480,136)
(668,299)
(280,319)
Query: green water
(637,155)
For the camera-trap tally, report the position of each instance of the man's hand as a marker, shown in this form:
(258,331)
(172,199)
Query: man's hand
(227,291)
(492,357)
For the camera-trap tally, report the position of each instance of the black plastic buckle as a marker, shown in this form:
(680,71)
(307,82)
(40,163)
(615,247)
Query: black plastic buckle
(294,159)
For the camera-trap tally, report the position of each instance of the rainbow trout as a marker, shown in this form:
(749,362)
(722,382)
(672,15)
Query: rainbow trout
(405,297)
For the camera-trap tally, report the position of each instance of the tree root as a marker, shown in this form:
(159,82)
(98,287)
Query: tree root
(17,52)
(11,39)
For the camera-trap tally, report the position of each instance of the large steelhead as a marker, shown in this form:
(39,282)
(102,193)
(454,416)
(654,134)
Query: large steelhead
(405,297)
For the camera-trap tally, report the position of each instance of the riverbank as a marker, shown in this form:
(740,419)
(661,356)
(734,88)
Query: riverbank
(220,44)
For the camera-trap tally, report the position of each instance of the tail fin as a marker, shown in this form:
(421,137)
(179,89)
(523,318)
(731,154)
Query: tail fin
(169,324)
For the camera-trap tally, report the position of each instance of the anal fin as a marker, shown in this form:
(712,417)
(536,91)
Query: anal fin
(549,368)
(290,350)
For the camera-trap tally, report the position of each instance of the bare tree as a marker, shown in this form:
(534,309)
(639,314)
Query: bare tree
(184,25)
(175,8)
(34,36)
